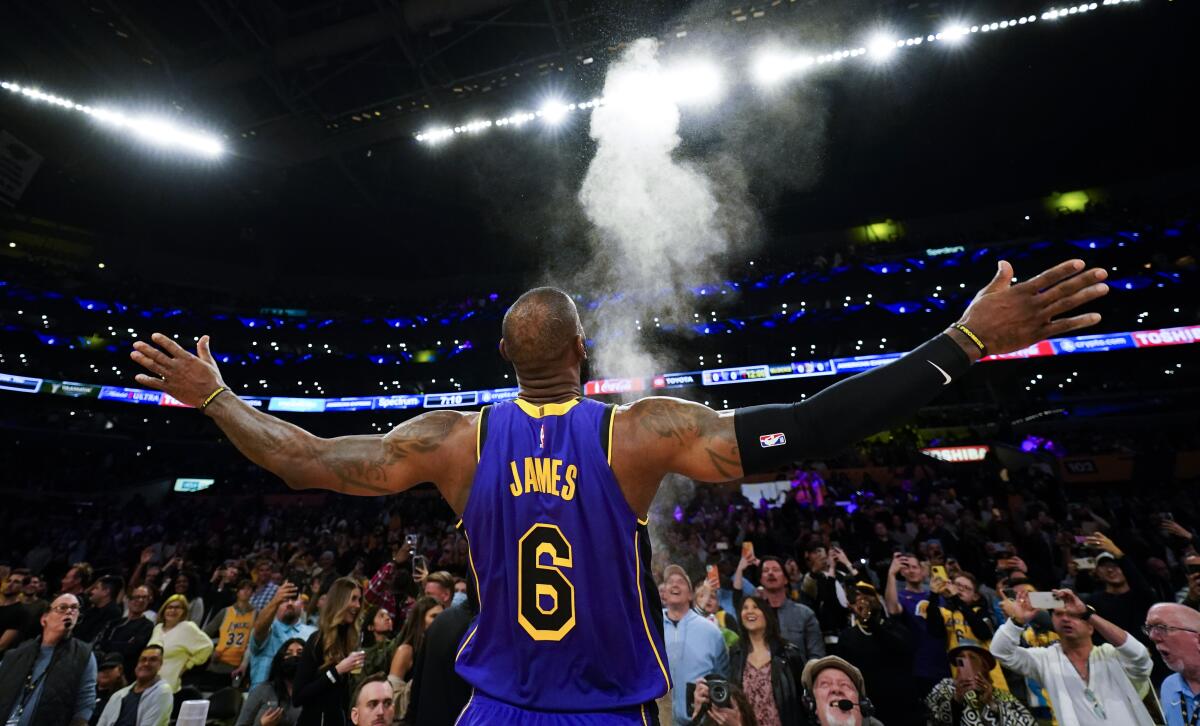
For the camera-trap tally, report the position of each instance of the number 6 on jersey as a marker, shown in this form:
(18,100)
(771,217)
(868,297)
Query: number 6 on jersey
(537,581)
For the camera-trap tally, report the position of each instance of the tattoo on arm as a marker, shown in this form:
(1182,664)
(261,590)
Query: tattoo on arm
(363,464)
(685,423)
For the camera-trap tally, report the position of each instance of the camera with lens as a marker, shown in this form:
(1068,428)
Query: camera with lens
(718,691)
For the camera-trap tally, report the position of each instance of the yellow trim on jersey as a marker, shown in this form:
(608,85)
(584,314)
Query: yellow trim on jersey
(478,594)
(642,713)
(637,574)
(478,434)
(458,524)
(643,521)
(549,409)
(611,421)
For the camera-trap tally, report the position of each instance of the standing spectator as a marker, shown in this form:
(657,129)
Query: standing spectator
(393,579)
(823,589)
(231,627)
(694,646)
(797,623)
(954,621)
(51,679)
(257,710)
(276,624)
(129,635)
(110,678)
(1190,595)
(1087,684)
(1124,596)
(412,636)
(32,598)
(438,694)
(881,647)
(266,587)
(707,606)
(222,589)
(838,692)
(14,615)
(105,609)
(183,643)
(1175,630)
(145,702)
(970,697)
(929,659)
(330,654)
(77,579)
(373,702)
(766,666)
(185,585)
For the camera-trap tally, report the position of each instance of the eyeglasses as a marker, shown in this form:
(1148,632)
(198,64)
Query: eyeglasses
(1163,631)
(64,609)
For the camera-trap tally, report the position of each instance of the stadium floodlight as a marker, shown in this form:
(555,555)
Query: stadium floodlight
(881,47)
(554,111)
(772,67)
(955,32)
(156,131)
(696,82)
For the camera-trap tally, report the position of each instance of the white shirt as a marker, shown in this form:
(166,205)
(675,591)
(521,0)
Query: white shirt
(1105,692)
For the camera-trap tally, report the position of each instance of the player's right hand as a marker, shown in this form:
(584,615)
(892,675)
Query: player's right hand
(188,378)
(1009,317)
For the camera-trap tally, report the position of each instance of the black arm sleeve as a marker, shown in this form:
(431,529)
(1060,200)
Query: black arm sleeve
(774,436)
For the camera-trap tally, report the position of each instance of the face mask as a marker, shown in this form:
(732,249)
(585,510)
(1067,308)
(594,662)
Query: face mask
(289,665)
(458,599)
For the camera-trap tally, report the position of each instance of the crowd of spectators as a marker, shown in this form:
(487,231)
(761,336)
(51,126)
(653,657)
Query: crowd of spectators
(916,602)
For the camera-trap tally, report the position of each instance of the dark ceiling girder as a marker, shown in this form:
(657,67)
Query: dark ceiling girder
(365,30)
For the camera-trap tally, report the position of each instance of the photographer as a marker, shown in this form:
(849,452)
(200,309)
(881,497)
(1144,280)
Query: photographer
(717,701)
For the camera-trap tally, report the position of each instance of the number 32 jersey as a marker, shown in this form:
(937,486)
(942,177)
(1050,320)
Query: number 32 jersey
(569,615)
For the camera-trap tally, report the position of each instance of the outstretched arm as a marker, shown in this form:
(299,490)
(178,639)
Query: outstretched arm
(413,452)
(667,435)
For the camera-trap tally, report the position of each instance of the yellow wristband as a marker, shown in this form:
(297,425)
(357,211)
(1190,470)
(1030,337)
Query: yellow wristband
(974,338)
(211,396)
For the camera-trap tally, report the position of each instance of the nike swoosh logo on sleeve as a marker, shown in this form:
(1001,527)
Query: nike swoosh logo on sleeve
(939,370)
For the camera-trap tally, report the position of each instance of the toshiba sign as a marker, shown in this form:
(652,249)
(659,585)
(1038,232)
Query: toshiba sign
(957,453)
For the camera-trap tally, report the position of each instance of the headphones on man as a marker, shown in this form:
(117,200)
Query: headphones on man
(864,704)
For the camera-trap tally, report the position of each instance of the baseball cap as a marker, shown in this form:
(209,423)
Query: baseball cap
(677,570)
(814,667)
(1106,557)
(110,660)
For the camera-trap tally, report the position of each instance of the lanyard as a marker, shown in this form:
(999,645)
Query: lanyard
(1183,711)
(31,685)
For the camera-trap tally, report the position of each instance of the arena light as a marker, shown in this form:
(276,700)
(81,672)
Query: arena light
(702,82)
(554,111)
(156,131)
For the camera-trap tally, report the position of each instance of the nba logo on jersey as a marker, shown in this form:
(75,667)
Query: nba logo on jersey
(769,440)
(542,437)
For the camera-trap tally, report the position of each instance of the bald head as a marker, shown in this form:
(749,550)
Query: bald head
(1175,630)
(540,329)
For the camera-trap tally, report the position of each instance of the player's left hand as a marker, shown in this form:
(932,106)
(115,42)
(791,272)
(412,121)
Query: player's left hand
(188,378)
(1009,317)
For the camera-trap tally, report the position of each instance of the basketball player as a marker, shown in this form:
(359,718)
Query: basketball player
(553,489)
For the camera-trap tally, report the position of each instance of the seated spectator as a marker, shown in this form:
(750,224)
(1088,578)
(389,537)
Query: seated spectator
(37,605)
(110,678)
(330,654)
(1175,630)
(270,703)
(837,693)
(145,702)
(765,666)
(1190,595)
(407,644)
(184,644)
(77,580)
(104,595)
(694,646)
(276,624)
(372,702)
(1086,683)
(185,584)
(739,712)
(970,697)
(440,587)
(378,641)
(14,615)
(881,647)
(60,669)
(129,635)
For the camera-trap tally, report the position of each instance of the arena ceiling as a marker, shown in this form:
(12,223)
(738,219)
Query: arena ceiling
(319,102)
